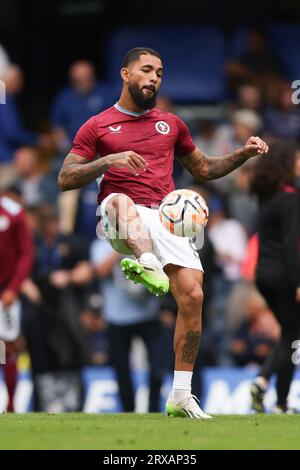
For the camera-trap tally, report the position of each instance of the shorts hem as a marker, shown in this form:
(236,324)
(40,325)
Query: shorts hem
(182,264)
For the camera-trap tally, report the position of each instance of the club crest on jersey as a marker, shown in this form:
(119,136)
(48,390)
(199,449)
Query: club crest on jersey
(115,130)
(162,127)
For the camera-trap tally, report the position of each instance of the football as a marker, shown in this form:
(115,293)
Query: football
(183,212)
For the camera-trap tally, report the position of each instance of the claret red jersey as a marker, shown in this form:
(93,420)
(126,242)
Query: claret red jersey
(153,134)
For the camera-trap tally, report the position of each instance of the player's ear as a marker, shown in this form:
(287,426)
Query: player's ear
(125,74)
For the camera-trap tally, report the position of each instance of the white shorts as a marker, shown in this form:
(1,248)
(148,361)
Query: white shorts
(168,248)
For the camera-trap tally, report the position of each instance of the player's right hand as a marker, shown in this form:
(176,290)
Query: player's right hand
(131,160)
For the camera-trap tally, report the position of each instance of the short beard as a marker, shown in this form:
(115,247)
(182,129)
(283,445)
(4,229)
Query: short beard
(139,98)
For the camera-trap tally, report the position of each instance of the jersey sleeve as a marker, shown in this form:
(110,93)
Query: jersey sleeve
(85,141)
(184,143)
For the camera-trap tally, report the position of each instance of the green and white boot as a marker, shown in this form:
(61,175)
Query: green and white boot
(147,271)
(186,408)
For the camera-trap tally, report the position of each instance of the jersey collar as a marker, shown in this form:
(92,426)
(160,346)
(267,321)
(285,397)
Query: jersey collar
(131,113)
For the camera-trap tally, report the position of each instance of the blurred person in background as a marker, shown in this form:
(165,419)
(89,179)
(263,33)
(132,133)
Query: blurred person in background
(249,96)
(242,125)
(95,329)
(83,98)
(245,122)
(12,133)
(211,137)
(242,206)
(4,61)
(254,337)
(16,254)
(35,186)
(53,299)
(228,257)
(257,64)
(297,169)
(278,267)
(283,119)
(130,312)
(78,211)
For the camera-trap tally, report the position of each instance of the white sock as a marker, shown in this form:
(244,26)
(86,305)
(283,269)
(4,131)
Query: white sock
(261,382)
(148,257)
(182,384)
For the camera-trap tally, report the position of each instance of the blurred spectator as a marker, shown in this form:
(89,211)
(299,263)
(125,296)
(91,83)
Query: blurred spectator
(16,254)
(95,328)
(278,264)
(229,239)
(257,65)
(245,124)
(130,311)
(12,132)
(53,299)
(297,169)
(36,188)
(283,121)
(254,338)
(223,139)
(77,103)
(4,61)
(211,138)
(78,209)
(228,255)
(249,96)
(250,259)
(86,218)
(242,206)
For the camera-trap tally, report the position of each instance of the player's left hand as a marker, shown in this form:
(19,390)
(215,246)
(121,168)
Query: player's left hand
(255,146)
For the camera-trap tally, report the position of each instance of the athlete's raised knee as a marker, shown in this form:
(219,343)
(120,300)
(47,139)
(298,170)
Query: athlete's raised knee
(120,199)
(191,297)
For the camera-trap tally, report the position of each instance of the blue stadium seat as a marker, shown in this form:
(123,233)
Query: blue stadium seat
(193,58)
(238,43)
(285,41)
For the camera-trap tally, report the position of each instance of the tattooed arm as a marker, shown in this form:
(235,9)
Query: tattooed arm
(207,168)
(77,171)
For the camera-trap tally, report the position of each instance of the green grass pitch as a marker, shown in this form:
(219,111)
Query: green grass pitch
(147,431)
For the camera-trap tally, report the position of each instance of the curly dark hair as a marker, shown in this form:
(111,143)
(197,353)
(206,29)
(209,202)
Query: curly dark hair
(275,170)
(134,54)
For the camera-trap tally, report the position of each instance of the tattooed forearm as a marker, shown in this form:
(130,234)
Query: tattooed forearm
(221,166)
(191,346)
(76,172)
(207,168)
